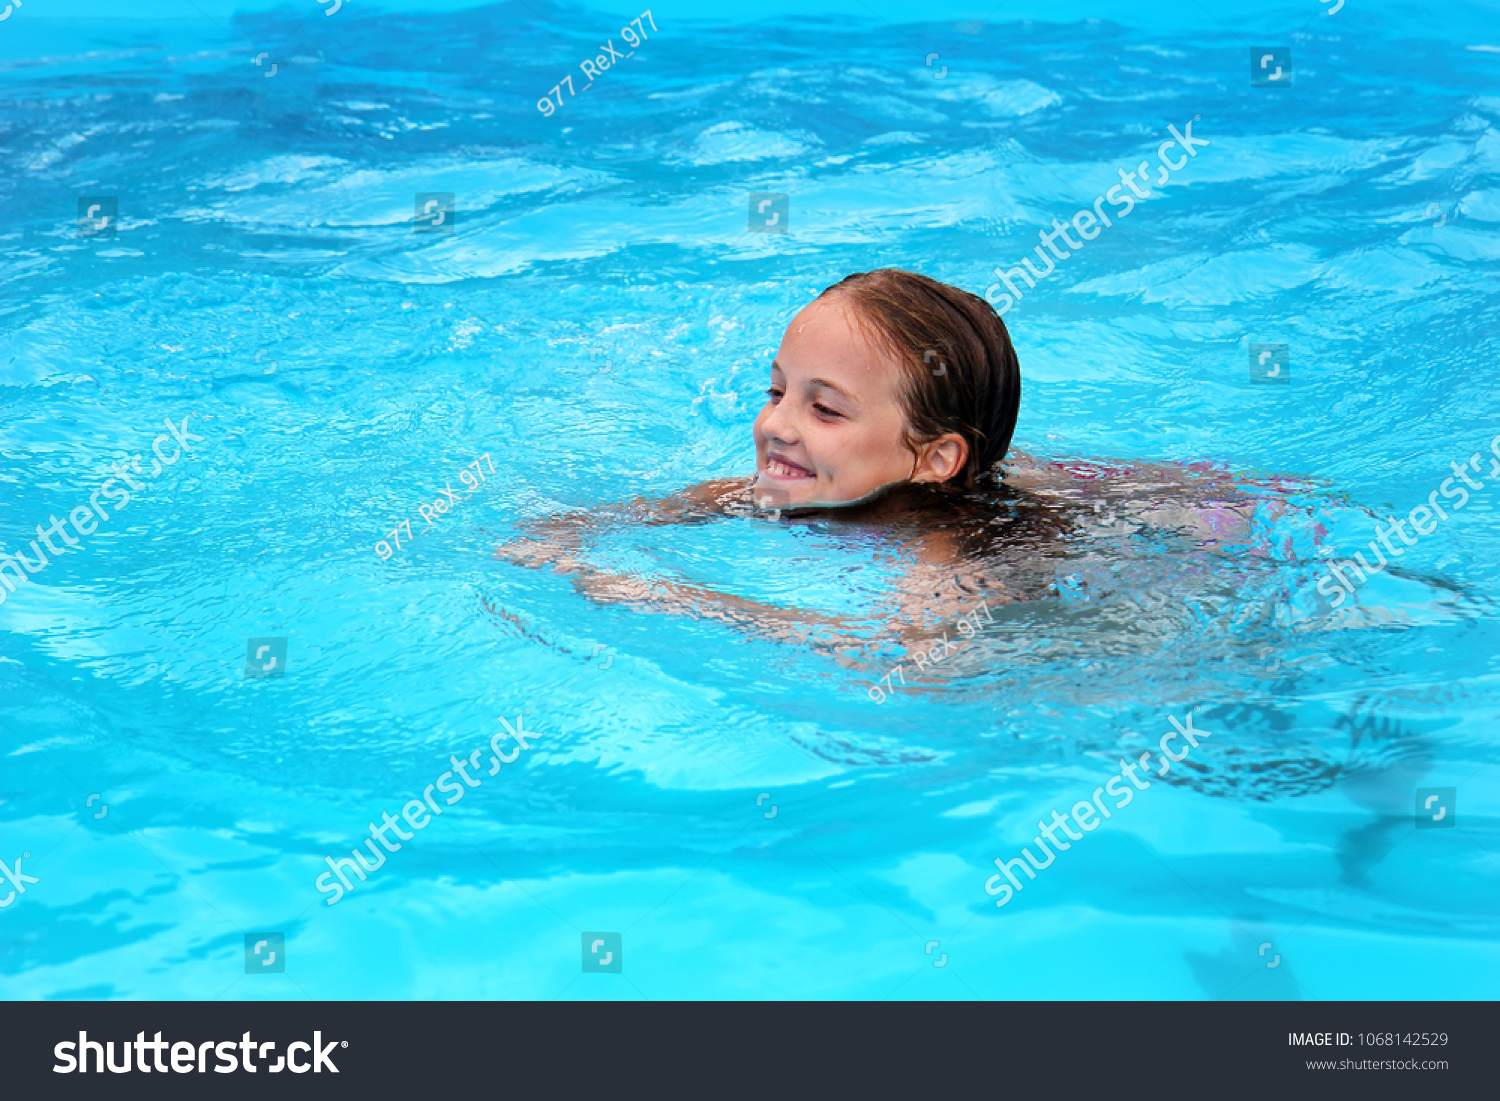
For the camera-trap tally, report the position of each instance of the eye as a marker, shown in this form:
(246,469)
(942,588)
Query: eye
(825,411)
(774,394)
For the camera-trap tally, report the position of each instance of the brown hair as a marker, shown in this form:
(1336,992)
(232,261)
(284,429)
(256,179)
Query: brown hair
(961,371)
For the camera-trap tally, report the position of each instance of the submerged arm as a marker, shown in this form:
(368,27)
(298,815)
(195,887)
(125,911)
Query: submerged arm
(935,587)
(699,602)
(557,541)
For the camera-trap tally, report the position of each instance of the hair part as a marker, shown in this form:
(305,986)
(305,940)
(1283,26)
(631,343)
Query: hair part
(961,374)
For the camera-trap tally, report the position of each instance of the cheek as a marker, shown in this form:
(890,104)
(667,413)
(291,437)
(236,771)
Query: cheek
(869,456)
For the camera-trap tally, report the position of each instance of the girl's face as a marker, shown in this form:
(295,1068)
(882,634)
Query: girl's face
(832,429)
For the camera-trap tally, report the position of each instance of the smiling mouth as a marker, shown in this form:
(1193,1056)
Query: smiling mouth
(780,468)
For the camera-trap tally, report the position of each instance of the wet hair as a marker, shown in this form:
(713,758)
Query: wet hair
(961,371)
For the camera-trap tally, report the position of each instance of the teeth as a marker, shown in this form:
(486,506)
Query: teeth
(782,470)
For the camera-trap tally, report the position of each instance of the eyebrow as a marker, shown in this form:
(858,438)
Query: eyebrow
(819,382)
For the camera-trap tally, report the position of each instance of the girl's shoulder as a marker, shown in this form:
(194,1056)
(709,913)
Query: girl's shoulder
(1069,476)
(1205,500)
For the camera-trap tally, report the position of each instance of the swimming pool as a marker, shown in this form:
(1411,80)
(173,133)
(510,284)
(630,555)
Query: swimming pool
(384,274)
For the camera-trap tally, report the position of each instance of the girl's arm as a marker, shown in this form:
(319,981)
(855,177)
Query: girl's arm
(558,542)
(930,592)
(812,629)
(559,539)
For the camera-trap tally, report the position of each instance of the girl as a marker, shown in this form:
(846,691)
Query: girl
(892,402)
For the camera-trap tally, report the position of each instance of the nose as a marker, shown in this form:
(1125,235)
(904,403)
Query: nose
(779,424)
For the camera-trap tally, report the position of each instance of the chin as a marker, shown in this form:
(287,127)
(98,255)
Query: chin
(785,492)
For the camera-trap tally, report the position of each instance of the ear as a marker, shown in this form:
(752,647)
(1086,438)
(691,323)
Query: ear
(941,459)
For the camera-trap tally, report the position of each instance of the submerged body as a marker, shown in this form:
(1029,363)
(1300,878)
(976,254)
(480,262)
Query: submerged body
(1001,544)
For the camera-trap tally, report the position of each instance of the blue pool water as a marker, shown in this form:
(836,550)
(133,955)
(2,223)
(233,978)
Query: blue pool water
(737,808)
